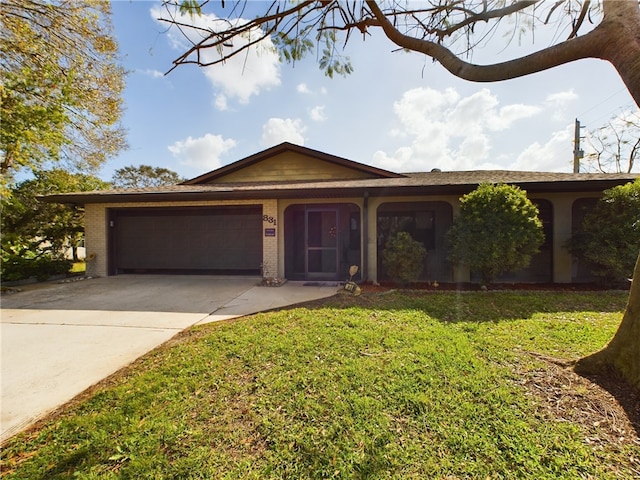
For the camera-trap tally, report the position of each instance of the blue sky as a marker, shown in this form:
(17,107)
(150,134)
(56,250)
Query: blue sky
(398,111)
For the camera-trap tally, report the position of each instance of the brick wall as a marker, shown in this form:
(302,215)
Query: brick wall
(270,244)
(95,229)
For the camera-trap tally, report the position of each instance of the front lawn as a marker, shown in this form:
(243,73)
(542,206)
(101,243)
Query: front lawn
(395,385)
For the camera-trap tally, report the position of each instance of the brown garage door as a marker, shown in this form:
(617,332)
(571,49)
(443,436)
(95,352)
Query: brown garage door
(212,240)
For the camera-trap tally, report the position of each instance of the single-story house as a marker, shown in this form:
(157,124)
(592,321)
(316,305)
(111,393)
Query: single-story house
(301,214)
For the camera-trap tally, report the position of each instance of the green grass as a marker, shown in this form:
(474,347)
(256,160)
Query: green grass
(78,267)
(401,385)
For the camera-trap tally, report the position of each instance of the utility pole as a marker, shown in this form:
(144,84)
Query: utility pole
(577,152)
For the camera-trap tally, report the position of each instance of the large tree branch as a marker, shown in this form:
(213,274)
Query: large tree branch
(585,46)
(616,39)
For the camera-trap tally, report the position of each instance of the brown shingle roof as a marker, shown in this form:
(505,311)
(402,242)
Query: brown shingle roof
(409,184)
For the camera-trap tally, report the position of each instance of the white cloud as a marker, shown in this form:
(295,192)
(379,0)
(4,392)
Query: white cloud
(561,98)
(450,132)
(278,130)
(221,102)
(317,114)
(557,103)
(151,73)
(556,155)
(243,75)
(202,153)
(302,88)
(510,114)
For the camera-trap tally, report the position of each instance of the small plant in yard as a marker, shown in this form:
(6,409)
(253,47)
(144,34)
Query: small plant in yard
(397,386)
(403,258)
(497,230)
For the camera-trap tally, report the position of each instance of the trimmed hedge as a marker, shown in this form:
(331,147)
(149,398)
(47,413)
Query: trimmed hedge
(16,268)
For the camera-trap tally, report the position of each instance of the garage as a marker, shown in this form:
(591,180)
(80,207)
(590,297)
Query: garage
(188,240)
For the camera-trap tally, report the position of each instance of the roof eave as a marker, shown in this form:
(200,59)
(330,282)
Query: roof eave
(341,191)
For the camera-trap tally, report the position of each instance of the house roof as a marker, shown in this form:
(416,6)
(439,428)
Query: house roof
(287,147)
(420,183)
(292,171)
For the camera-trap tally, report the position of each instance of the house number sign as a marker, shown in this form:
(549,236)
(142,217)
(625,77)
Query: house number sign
(269,219)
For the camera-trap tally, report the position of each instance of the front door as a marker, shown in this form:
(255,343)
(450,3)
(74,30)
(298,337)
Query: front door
(321,259)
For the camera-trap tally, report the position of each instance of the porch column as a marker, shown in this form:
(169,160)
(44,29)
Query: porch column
(461,272)
(95,238)
(364,237)
(562,259)
(370,239)
(270,220)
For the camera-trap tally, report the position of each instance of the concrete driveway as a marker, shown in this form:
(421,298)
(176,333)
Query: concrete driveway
(58,339)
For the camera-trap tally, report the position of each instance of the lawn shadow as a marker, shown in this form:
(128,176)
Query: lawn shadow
(479,306)
(68,463)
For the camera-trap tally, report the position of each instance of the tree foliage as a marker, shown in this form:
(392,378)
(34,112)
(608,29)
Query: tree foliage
(61,85)
(403,258)
(33,228)
(444,30)
(496,231)
(609,237)
(144,176)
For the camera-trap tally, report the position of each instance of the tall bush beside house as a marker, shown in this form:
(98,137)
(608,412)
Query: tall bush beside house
(497,230)
(34,235)
(609,237)
(403,258)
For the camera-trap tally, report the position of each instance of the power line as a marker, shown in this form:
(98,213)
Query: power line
(603,101)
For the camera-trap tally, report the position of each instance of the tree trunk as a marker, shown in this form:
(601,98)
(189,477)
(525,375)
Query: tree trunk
(622,46)
(622,354)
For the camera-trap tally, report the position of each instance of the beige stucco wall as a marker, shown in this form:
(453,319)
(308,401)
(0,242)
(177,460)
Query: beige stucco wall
(96,228)
(562,205)
(460,273)
(273,247)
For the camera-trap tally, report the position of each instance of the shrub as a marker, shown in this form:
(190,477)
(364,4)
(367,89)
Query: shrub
(497,230)
(609,237)
(403,258)
(16,267)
